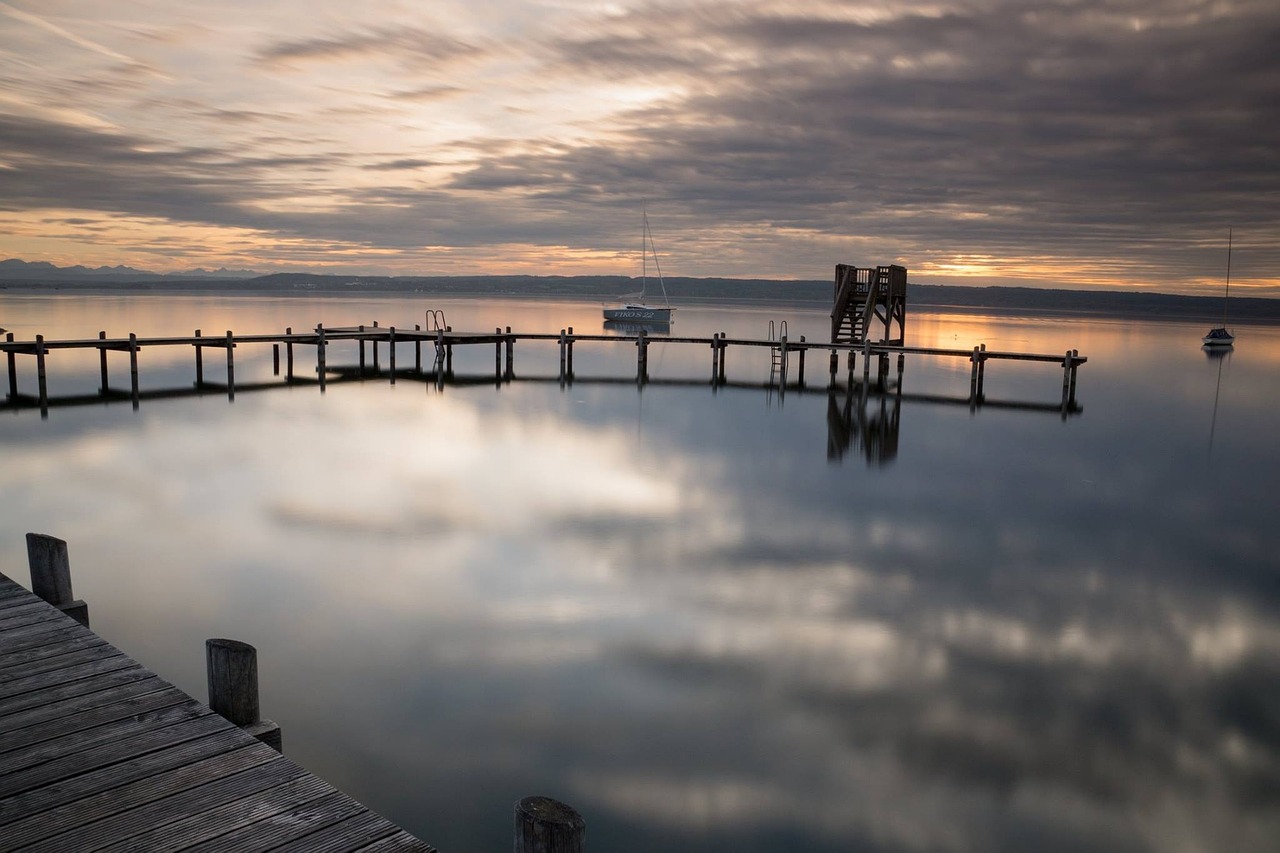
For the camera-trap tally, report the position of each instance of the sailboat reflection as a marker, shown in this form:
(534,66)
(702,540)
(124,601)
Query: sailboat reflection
(1221,355)
(635,327)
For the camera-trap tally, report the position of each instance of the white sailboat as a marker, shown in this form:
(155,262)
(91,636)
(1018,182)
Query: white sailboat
(1220,336)
(636,309)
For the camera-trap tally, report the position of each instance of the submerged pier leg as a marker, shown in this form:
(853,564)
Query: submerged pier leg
(570,344)
(231,366)
(511,354)
(320,347)
(974,360)
(288,355)
(642,357)
(275,359)
(497,354)
(133,369)
(42,381)
(362,352)
(800,371)
(982,370)
(1066,380)
(564,356)
(391,353)
(417,349)
(375,347)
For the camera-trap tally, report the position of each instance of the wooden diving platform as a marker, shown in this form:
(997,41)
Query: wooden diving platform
(99,753)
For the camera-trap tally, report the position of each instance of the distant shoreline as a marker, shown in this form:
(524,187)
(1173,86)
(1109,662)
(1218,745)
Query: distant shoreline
(701,292)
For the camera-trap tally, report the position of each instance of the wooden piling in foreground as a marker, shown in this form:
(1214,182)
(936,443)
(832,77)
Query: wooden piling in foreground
(544,825)
(233,688)
(51,575)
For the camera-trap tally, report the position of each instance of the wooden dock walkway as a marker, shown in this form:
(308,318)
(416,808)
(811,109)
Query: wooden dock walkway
(99,753)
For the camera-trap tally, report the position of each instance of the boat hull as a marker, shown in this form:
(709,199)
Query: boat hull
(1218,338)
(639,314)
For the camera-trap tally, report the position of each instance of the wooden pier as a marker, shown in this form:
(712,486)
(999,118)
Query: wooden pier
(787,363)
(97,752)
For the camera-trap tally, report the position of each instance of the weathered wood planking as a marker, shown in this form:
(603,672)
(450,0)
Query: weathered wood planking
(99,753)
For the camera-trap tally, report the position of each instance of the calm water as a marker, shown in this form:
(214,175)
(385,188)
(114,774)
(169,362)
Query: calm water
(711,621)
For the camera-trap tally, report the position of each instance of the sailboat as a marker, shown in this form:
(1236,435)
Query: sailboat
(636,309)
(1219,336)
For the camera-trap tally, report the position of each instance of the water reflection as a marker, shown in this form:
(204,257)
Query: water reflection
(1024,633)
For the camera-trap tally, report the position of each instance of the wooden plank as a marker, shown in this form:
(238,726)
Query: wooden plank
(18,731)
(400,842)
(356,831)
(40,635)
(28,662)
(118,732)
(116,794)
(71,680)
(284,827)
(31,614)
(147,826)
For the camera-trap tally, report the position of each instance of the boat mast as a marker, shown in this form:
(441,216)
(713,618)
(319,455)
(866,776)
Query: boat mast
(656,265)
(1227,292)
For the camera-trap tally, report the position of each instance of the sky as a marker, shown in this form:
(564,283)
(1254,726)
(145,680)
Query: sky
(1074,143)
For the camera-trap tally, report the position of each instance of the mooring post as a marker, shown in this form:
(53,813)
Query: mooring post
(982,369)
(231,366)
(275,359)
(800,366)
(288,353)
(375,346)
(563,356)
(233,688)
(511,354)
(642,357)
(544,825)
(724,351)
(497,354)
(1066,380)
(715,355)
(448,352)
(41,379)
(391,353)
(133,368)
(782,360)
(320,345)
(439,352)
(199,361)
(570,341)
(1075,365)
(973,376)
(13,369)
(361,339)
(51,575)
(102,362)
(417,348)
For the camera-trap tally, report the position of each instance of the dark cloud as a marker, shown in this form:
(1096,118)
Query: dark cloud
(415,46)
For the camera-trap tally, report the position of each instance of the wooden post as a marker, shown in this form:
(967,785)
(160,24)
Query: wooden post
(439,352)
(715,355)
(544,825)
(362,351)
(724,350)
(1071,400)
(417,349)
(511,354)
(570,342)
(391,353)
(102,363)
(564,356)
(51,575)
(41,379)
(642,357)
(320,369)
(288,355)
(233,688)
(497,354)
(231,367)
(1066,379)
(13,369)
(782,359)
(800,372)
(375,346)
(133,368)
(982,368)
(973,376)
(448,353)
(866,362)
(275,359)
(199,363)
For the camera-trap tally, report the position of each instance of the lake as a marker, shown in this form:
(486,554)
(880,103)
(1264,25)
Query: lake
(709,619)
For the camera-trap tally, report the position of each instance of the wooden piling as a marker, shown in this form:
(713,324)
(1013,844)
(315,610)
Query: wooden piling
(544,825)
(974,360)
(391,353)
(102,364)
(233,688)
(231,366)
(375,347)
(497,353)
(417,349)
(724,351)
(564,355)
(642,357)
(982,369)
(199,363)
(511,354)
(275,359)
(320,347)
(800,366)
(362,350)
(51,575)
(1071,397)
(782,360)
(288,355)
(133,368)
(715,356)
(41,379)
(570,343)
(448,354)
(13,369)
(1066,379)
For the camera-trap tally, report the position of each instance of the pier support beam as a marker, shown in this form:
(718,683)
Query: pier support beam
(511,354)
(233,688)
(544,825)
(417,349)
(231,366)
(391,353)
(362,352)
(41,379)
(570,342)
(51,575)
(13,369)
(375,347)
(320,347)
(102,364)
(199,363)
(642,357)
(288,355)
(133,369)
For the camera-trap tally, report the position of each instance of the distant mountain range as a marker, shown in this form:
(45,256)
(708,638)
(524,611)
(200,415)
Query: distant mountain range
(16,274)
(45,271)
